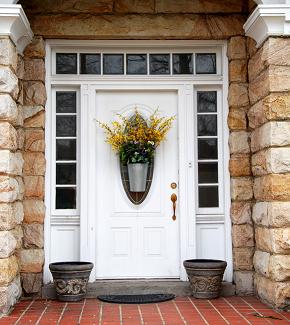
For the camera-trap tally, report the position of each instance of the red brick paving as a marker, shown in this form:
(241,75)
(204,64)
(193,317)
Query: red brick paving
(182,310)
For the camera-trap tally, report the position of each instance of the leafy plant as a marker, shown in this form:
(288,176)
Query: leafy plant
(135,139)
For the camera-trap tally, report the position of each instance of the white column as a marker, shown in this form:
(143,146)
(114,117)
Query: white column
(14,23)
(270,18)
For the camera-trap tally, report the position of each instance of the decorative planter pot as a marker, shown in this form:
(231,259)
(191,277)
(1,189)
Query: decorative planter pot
(137,177)
(205,277)
(70,279)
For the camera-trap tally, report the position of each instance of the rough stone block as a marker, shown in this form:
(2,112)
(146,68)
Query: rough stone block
(243,258)
(270,134)
(263,239)
(241,213)
(10,162)
(9,270)
(279,267)
(244,281)
(34,211)
(273,187)
(272,160)
(9,295)
(240,165)
(238,95)
(11,214)
(273,79)
(8,108)
(20,138)
(34,70)
(237,119)
(9,189)
(239,142)
(7,244)
(132,6)
(251,45)
(34,163)
(8,53)
(34,93)
(31,260)
(276,240)
(273,214)
(9,82)
(33,236)
(31,282)
(34,186)
(275,293)
(256,115)
(241,188)
(8,138)
(261,262)
(36,49)
(36,121)
(18,235)
(237,48)
(20,67)
(34,140)
(243,235)
(238,71)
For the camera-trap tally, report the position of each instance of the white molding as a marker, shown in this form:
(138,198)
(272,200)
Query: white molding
(268,20)
(14,23)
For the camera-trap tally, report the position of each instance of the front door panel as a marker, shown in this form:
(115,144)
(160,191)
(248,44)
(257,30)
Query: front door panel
(136,241)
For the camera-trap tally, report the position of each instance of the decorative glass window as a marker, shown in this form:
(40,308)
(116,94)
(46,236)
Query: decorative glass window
(207,150)
(65,150)
(187,63)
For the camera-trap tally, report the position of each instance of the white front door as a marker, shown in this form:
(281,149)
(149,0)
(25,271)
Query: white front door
(135,241)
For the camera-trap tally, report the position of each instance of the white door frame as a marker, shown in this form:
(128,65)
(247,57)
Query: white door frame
(184,85)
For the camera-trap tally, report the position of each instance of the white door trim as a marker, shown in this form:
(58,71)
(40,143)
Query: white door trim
(184,85)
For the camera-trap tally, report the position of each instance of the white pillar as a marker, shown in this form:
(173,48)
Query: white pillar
(14,23)
(270,18)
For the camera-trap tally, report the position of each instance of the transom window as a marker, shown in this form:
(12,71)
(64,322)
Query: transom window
(188,63)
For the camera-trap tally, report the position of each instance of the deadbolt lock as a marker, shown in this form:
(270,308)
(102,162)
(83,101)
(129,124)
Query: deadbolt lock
(173,185)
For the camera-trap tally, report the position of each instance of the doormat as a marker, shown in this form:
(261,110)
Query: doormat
(136,299)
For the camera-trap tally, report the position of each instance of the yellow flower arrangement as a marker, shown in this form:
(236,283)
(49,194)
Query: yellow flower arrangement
(135,138)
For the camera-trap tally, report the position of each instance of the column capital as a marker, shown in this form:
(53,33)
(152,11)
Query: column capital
(270,18)
(14,23)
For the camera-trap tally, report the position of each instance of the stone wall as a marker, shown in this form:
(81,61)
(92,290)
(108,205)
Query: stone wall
(31,256)
(240,166)
(269,115)
(11,178)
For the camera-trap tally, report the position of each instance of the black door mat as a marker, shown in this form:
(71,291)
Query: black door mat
(136,299)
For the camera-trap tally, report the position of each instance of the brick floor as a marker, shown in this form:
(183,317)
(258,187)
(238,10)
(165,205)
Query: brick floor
(185,310)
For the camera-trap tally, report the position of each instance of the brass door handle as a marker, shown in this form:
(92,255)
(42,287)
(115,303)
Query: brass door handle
(173,200)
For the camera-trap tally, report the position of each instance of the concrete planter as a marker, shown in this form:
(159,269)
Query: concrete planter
(70,279)
(137,177)
(205,277)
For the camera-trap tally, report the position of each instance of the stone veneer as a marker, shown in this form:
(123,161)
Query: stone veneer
(269,84)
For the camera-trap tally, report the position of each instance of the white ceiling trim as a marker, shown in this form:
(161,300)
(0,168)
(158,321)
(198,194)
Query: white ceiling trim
(268,20)
(14,23)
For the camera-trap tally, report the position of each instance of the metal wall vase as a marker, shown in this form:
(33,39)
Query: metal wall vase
(136,197)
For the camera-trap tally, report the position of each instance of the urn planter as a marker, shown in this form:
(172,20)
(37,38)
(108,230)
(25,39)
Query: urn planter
(70,279)
(205,277)
(137,176)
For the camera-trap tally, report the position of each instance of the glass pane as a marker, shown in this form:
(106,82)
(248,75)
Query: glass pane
(159,64)
(66,174)
(66,149)
(205,63)
(207,149)
(206,101)
(65,126)
(208,197)
(90,63)
(208,172)
(65,198)
(182,64)
(207,125)
(66,101)
(113,64)
(136,64)
(66,63)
